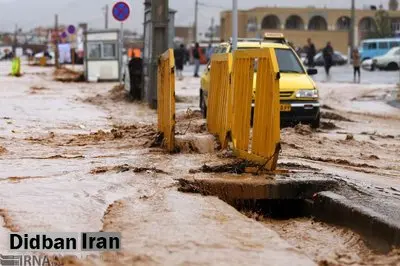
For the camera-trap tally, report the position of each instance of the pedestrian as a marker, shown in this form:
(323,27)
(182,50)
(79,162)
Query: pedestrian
(196,58)
(311,51)
(327,53)
(356,64)
(179,55)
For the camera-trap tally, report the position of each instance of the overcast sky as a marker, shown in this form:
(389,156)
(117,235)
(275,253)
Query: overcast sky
(31,13)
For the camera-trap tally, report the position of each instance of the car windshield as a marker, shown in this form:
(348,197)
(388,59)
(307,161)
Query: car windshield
(287,61)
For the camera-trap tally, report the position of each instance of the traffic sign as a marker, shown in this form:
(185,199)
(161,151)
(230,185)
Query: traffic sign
(64,35)
(121,11)
(71,29)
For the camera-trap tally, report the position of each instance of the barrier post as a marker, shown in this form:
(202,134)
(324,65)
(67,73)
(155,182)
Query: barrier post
(166,98)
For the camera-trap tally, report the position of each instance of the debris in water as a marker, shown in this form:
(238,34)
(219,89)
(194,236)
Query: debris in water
(68,75)
(349,137)
(333,116)
(126,168)
(327,107)
(57,156)
(296,166)
(303,129)
(190,187)
(339,161)
(237,167)
(328,125)
(8,222)
(2,150)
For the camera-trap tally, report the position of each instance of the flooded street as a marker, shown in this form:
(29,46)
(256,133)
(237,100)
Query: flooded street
(78,157)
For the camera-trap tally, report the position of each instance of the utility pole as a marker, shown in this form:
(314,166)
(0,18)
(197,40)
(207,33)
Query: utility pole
(212,30)
(353,25)
(196,10)
(234,24)
(57,54)
(106,17)
(159,43)
(15,43)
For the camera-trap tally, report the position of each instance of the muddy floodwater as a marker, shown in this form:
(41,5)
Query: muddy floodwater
(328,244)
(79,157)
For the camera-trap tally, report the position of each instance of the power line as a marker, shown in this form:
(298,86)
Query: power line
(212,6)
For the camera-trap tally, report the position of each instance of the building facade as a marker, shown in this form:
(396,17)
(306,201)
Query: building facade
(298,24)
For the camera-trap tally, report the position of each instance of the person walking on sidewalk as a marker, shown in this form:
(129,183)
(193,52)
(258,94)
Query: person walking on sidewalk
(196,57)
(327,53)
(179,55)
(310,53)
(356,65)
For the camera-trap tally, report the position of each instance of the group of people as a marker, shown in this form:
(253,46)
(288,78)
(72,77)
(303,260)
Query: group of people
(181,57)
(327,54)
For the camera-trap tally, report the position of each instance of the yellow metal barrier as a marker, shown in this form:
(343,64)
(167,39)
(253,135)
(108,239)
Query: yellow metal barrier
(220,97)
(166,98)
(265,146)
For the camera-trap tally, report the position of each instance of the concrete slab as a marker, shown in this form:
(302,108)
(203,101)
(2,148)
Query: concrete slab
(233,187)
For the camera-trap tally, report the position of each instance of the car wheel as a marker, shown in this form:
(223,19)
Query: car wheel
(393,66)
(203,106)
(316,122)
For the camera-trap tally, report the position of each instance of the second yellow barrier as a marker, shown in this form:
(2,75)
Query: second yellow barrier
(220,97)
(262,146)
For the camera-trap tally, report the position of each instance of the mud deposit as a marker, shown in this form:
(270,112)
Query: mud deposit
(68,75)
(329,245)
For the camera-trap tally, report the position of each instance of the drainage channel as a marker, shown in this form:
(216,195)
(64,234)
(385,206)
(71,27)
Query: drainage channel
(307,212)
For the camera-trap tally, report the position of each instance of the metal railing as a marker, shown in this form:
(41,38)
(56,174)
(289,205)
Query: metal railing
(166,99)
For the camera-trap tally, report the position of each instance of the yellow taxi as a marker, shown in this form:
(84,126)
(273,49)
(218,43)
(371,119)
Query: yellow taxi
(298,93)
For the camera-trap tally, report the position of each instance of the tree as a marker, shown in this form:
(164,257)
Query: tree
(383,25)
(393,5)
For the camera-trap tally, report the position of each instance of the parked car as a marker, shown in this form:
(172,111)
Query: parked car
(389,61)
(368,65)
(371,48)
(338,59)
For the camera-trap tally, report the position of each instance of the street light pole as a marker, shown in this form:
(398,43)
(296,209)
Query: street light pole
(234,24)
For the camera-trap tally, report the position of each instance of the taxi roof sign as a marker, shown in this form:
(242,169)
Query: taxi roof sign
(275,37)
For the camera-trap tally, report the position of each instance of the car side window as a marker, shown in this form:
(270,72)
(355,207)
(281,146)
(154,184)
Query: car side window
(383,45)
(372,46)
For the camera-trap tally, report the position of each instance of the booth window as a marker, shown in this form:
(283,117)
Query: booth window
(94,50)
(109,50)
(100,50)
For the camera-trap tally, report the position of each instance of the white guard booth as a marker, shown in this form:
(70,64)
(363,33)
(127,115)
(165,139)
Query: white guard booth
(102,55)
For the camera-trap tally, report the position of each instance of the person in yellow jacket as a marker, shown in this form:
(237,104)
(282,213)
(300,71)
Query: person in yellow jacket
(16,67)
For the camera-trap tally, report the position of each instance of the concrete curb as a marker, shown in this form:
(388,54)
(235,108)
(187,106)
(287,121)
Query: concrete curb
(380,232)
(231,190)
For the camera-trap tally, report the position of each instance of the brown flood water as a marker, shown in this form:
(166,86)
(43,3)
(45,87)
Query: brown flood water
(329,245)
